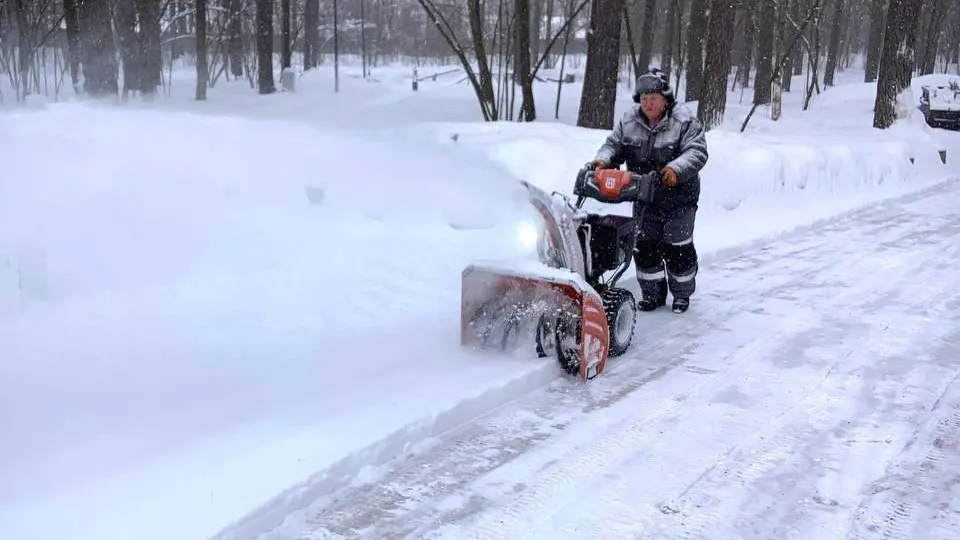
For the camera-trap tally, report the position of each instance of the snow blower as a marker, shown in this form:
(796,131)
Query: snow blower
(567,301)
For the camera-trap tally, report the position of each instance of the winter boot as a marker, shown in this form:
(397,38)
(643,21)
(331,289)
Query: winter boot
(650,304)
(680,305)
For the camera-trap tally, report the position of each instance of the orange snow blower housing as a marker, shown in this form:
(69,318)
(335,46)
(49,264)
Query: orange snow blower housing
(567,301)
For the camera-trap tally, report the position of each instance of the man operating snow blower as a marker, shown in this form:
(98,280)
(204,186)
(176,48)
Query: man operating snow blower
(658,135)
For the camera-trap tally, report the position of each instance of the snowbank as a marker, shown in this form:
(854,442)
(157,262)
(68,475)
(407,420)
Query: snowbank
(219,308)
(756,185)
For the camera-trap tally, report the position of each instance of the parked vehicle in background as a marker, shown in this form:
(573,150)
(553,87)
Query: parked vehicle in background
(941,104)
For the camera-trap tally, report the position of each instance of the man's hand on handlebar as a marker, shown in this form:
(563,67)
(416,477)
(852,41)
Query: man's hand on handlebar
(669,177)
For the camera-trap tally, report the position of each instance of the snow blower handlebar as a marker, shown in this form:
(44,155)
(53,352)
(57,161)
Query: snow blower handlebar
(615,186)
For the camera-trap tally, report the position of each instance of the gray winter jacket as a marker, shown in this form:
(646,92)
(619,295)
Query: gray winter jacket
(678,141)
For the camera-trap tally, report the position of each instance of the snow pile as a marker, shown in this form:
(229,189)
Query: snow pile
(104,204)
(228,306)
(769,180)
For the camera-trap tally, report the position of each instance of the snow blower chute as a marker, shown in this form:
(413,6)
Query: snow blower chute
(567,300)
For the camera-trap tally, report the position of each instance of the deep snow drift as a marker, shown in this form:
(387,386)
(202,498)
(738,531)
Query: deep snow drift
(199,316)
(183,319)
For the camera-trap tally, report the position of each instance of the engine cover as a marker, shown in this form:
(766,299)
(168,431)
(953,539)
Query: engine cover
(611,241)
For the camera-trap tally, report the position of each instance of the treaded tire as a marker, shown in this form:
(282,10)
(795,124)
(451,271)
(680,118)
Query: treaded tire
(619,303)
(546,341)
(565,331)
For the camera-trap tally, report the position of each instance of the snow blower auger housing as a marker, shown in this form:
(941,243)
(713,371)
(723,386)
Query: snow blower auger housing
(567,301)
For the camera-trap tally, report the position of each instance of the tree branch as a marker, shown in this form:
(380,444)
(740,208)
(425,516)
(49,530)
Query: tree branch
(448,35)
(556,36)
(783,57)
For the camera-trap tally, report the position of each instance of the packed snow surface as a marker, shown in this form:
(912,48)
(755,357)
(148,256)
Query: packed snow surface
(814,392)
(211,322)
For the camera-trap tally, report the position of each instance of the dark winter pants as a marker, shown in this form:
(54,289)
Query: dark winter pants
(665,255)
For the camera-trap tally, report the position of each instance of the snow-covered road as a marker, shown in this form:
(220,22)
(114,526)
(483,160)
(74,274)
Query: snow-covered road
(811,392)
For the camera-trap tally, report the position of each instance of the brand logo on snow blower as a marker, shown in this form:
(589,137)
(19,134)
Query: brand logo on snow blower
(595,337)
(610,182)
(594,350)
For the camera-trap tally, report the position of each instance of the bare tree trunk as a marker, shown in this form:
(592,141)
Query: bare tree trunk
(25,39)
(203,71)
(833,49)
(485,89)
(528,108)
(100,69)
(71,16)
(148,16)
(767,22)
(666,47)
(137,25)
(631,42)
(286,40)
(795,54)
(536,18)
(551,9)
(311,33)
(265,82)
(179,27)
(813,58)
(125,21)
(897,62)
(696,37)
(713,98)
(781,50)
(646,35)
(599,93)
(875,43)
(953,49)
(235,37)
(933,34)
(745,61)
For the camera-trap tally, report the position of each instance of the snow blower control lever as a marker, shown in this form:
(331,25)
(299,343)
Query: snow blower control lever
(615,186)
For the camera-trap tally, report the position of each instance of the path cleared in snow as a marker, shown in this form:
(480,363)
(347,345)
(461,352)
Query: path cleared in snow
(811,392)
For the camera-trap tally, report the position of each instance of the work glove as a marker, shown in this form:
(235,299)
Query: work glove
(599,164)
(669,177)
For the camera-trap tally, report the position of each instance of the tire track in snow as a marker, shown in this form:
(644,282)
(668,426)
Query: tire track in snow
(812,419)
(736,497)
(916,485)
(379,504)
(557,421)
(552,488)
(775,448)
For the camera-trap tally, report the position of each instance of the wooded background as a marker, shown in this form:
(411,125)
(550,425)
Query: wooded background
(711,46)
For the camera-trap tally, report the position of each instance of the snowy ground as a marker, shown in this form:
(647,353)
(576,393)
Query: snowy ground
(238,312)
(813,394)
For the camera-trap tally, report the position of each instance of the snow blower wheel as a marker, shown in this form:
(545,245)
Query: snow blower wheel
(546,343)
(554,339)
(621,309)
(567,339)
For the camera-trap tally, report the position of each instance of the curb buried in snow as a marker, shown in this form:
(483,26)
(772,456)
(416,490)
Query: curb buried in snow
(419,435)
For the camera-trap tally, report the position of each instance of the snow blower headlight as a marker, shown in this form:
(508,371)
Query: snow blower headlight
(528,235)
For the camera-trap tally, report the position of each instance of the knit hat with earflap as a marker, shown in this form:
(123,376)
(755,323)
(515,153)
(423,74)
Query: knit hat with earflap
(653,82)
